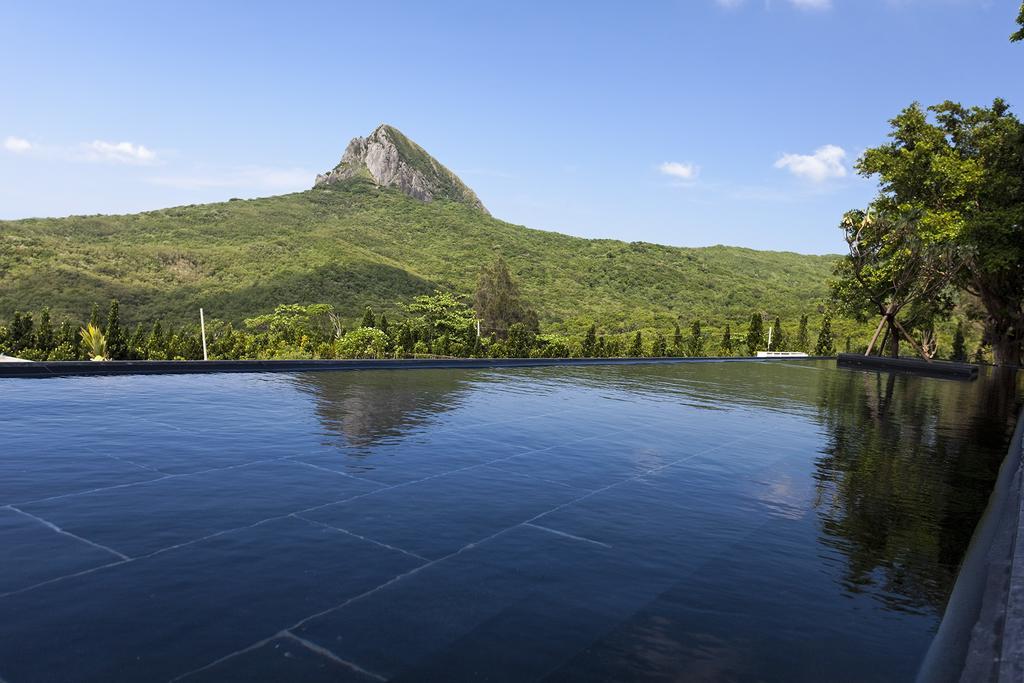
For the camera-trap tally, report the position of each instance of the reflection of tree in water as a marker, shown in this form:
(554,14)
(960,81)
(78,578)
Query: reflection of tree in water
(906,474)
(365,408)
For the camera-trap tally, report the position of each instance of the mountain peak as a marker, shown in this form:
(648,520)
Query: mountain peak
(391,159)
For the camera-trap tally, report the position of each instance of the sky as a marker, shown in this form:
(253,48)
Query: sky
(691,123)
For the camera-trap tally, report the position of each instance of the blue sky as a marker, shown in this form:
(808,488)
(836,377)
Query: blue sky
(691,123)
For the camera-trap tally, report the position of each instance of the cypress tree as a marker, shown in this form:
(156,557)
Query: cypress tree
(94,319)
(498,303)
(368,319)
(755,334)
(45,339)
(849,344)
(660,349)
(778,338)
(826,345)
(602,349)
(136,344)
(677,341)
(636,350)
(696,341)
(114,333)
(155,348)
(21,331)
(803,340)
(959,344)
(382,324)
(726,343)
(589,346)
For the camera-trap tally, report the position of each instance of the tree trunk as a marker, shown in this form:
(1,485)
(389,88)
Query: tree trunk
(1005,349)
(1004,324)
(894,340)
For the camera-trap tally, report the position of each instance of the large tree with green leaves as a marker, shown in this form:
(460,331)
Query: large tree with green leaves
(897,265)
(961,173)
(498,303)
(1019,35)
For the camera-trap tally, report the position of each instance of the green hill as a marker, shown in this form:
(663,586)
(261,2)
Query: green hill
(355,241)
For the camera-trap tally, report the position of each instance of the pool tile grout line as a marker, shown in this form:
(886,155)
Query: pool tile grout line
(324,652)
(567,535)
(185,544)
(344,500)
(295,459)
(56,528)
(360,537)
(469,546)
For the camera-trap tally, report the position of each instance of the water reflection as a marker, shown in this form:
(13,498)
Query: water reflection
(362,409)
(905,474)
(902,466)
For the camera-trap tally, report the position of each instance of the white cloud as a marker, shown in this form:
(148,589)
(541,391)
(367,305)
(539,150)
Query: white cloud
(729,4)
(811,4)
(118,152)
(824,164)
(679,170)
(251,177)
(17,145)
(97,151)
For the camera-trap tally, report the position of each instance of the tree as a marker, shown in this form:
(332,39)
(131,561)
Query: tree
(660,346)
(114,333)
(156,348)
(725,346)
(382,323)
(1019,35)
(755,334)
(297,325)
(636,350)
(362,342)
(963,175)
(589,346)
(520,339)
(368,319)
(497,301)
(21,332)
(803,339)
(45,338)
(778,337)
(898,263)
(826,345)
(959,353)
(695,344)
(677,341)
(441,314)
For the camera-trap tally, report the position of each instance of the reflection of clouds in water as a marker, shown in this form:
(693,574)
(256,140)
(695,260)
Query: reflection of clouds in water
(785,497)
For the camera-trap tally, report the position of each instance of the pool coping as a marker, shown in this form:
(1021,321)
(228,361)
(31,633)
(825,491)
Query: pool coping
(935,368)
(981,636)
(176,367)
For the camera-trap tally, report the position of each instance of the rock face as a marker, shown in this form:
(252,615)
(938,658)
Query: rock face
(391,159)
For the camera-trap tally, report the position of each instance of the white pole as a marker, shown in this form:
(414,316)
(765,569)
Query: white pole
(477,329)
(202,326)
(769,337)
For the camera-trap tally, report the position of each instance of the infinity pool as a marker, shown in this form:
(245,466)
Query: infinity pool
(784,521)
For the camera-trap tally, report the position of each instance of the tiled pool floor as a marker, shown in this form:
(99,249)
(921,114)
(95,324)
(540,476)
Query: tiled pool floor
(517,526)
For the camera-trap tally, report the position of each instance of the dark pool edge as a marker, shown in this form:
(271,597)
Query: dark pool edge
(177,367)
(935,368)
(981,636)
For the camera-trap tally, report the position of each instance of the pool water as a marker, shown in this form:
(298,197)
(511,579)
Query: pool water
(778,521)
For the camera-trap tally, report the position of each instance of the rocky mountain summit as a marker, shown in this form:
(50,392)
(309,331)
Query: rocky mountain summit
(390,159)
